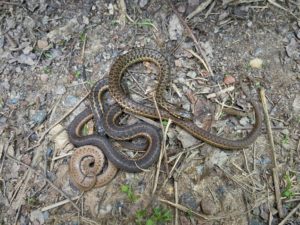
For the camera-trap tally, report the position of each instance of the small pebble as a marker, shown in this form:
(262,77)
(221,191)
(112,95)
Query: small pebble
(256,63)
(244,121)
(143,3)
(187,199)
(178,63)
(39,116)
(229,80)
(257,51)
(60,90)
(192,74)
(208,206)
(27,50)
(175,28)
(70,101)
(26,59)
(44,77)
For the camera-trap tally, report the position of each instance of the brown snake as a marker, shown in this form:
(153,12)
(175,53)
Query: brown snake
(116,73)
(106,119)
(89,168)
(128,132)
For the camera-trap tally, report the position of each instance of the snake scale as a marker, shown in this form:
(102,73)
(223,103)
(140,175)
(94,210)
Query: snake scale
(106,122)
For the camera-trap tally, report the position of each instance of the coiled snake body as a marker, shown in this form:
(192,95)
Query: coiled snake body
(107,122)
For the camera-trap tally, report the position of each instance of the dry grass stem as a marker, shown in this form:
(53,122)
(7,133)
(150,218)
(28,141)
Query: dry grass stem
(199,9)
(200,59)
(57,204)
(46,179)
(273,154)
(59,121)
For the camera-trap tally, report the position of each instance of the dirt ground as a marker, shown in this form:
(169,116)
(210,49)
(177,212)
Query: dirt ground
(52,52)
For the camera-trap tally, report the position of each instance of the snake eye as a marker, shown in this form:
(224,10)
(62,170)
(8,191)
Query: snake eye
(92,164)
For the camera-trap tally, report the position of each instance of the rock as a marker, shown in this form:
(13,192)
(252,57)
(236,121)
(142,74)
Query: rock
(256,221)
(39,116)
(65,32)
(292,49)
(70,101)
(193,3)
(244,121)
(191,74)
(185,138)
(229,79)
(61,140)
(85,20)
(105,210)
(200,169)
(56,131)
(208,206)
(44,77)
(187,199)
(143,3)
(42,44)
(27,50)
(296,104)
(216,158)
(60,90)
(37,215)
(32,5)
(26,59)
(257,51)
(175,28)
(256,63)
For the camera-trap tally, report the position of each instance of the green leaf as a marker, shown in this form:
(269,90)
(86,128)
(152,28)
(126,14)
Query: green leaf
(164,122)
(77,74)
(125,188)
(85,130)
(149,222)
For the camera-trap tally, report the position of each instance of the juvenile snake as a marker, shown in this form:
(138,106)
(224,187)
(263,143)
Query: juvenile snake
(116,73)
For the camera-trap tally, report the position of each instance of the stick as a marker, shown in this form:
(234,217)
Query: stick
(176,202)
(190,32)
(59,121)
(274,170)
(163,150)
(199,9)
(183,208)
(57,204)
(290,214)
(45,178)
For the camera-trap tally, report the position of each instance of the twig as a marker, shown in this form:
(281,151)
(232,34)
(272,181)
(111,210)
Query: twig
(176,201)
(163,150)
(223,91)
(190,32)
(123,14)
(289,215)
(281,7)
(57,204)
(275,168)
(45,178)
(241,184)
(59,121)
(183,208)
(199,9)
(298,148)
(5,149)
(200,59)
(210,9)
